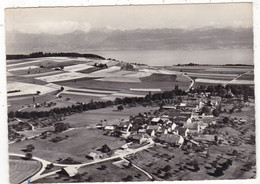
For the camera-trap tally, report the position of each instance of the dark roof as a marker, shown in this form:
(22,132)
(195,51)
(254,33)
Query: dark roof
(182,130)
(192,126)
(137,136)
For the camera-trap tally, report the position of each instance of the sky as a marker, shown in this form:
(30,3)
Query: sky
(69,19)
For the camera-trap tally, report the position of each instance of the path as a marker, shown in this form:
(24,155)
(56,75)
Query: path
(236,78)
(146,173)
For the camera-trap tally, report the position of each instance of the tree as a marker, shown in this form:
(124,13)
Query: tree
(11,114)
(30,147)
(215,113)
(59,127)
(196,165)
(205,110)
(225,120)
(208,154)
(28,156)
(216,139)
(120,108)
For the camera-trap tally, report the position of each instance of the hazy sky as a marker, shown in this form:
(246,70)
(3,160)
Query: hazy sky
(65,20)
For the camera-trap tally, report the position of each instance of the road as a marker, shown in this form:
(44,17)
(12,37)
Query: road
(44,163)
(237,77)
(192,82)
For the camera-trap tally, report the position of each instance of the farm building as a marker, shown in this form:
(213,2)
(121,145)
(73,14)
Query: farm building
(109,127)
(70,171)
(94,156)
(172,139)
(156,121)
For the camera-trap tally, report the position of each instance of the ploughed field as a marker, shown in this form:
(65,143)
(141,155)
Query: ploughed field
(20,169)
(83,80)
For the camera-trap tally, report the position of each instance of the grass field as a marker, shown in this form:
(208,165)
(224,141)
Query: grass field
(19,169)
(110,114)
(78,144)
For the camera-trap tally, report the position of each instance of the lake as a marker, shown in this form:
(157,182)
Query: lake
(174,57)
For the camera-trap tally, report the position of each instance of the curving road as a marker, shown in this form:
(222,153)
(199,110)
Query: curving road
(192,82)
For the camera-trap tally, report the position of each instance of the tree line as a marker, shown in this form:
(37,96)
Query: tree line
(58,54)
(220,90)
(224,91)
(80,107)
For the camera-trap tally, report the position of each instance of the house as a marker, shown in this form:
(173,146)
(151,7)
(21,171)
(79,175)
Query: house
(209,120)
(202,125)
(142,130)
(105,149)
(155,121)
(122,164)
(153,127)
(169,107)
(94,156)
(70,171)
(171,139)
(136,138)
(183,104)
(140,138)
(183,131)
(99,126)
(150,132)
(193,127)
(192,107)
(122,126)
(109,127)
(173,126)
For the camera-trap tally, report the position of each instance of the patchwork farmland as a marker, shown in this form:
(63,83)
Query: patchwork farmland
(68,85)
(39,80)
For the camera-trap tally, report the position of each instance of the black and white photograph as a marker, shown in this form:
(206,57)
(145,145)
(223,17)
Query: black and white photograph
(140,93)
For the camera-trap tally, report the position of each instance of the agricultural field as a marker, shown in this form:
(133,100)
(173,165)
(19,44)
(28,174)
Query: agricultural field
(20,169)
(83,81)
(39,80)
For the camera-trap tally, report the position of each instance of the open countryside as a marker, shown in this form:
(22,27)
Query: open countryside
(171,115)
(131,93)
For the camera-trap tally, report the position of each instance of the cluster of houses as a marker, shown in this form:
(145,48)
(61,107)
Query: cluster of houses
(171,125)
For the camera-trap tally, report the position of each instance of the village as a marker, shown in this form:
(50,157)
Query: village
(196,125)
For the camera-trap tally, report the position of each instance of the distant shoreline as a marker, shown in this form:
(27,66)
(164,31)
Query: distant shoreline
(95,56)
(60,54)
